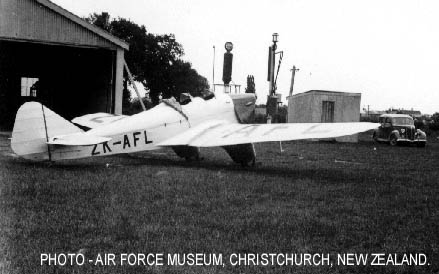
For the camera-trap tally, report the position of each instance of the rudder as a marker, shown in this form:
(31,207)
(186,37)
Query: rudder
(34,126)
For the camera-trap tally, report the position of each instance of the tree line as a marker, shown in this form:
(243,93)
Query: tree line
(155,60)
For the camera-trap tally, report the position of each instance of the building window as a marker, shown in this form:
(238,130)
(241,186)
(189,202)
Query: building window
(328,112)
(29,87)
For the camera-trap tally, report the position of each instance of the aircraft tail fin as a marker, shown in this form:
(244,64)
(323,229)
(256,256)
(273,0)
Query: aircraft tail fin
(34,125)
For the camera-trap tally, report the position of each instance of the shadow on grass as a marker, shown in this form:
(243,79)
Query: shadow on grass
(296,170)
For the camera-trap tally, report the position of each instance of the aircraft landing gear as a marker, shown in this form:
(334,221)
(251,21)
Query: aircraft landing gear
(243,154)
(188,153)
(252,163)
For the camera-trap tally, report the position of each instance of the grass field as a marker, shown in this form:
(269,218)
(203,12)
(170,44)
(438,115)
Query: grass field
(316,197)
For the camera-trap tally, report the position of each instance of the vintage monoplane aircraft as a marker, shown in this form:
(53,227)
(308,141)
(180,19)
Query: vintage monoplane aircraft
(223,121)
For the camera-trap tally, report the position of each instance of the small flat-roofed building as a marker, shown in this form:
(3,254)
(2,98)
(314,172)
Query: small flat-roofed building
(321,106)
(50,55)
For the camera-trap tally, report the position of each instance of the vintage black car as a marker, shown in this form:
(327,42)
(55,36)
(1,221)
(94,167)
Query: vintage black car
(399,128)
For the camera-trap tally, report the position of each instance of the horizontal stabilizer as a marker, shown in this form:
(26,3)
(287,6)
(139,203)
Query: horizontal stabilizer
(97,119)
(80,139)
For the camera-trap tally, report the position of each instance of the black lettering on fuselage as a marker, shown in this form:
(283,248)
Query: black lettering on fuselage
(146,138)
(94,152)
(136,138)
(126,141)
(105,147)
(108,148)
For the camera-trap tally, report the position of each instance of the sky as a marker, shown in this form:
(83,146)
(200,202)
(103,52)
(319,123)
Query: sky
(387,50)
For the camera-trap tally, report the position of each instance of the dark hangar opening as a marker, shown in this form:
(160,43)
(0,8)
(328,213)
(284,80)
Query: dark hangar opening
(50,55)
(71,81)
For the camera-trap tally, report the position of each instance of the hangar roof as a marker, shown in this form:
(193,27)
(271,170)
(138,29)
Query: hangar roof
(46,22)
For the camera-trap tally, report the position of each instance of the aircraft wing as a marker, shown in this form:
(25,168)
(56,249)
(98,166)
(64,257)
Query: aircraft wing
(97,119)
(223,133)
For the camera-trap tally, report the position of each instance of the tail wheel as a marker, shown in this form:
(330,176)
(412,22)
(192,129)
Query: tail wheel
(393,140)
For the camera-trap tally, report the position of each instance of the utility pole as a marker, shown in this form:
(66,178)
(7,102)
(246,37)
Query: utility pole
(294,69)
(213,69)
(272,99)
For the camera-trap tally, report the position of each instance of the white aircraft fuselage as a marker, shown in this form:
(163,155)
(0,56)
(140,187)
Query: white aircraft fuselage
(139,132)
(143,131)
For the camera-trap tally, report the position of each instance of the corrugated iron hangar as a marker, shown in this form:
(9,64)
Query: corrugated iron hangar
(50,55)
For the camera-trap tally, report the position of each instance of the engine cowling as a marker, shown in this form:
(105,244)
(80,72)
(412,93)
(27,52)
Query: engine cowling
(244,105)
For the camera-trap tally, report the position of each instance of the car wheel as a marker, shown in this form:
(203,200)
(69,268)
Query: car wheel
(393,140)
(375,137)
(420,144)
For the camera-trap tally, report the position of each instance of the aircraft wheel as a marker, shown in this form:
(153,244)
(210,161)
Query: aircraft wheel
(375,137)
(195,158)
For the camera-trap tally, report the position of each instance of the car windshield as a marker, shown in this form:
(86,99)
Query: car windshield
(402,121)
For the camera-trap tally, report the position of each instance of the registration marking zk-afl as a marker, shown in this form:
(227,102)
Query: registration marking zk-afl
(129,141)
